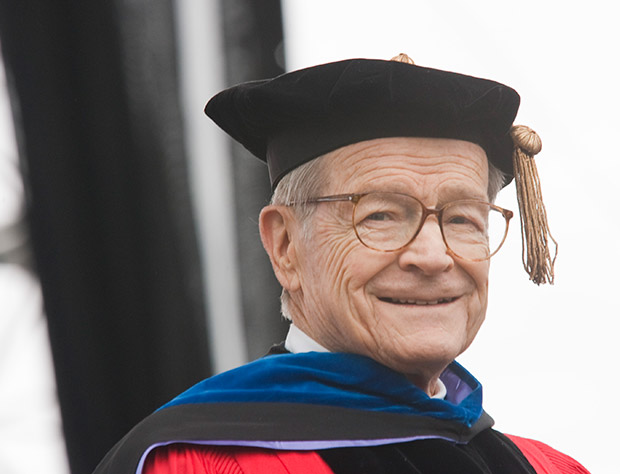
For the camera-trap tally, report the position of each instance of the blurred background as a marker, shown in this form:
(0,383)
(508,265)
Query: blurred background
(130,262)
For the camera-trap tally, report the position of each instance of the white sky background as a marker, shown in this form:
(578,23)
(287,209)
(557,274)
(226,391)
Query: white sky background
(546,355)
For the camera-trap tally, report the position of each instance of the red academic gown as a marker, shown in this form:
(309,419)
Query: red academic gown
(188,459)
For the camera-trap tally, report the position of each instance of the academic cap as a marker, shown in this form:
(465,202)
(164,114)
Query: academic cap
(296,117)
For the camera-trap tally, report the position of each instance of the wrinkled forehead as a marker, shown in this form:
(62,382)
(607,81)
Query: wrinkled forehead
(405,163)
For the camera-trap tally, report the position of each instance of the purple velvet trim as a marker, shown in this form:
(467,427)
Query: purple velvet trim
(457,387)
(292,445)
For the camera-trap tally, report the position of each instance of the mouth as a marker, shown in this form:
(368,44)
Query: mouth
(415,302)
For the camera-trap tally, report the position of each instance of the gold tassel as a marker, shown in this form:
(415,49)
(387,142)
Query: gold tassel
(402,58)
(534,227)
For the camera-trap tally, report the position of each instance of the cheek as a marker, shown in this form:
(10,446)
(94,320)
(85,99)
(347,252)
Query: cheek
(330,248)
(343,266)
(479,273)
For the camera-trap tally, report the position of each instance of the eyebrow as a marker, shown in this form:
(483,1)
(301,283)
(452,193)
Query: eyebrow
(447,194)
(456,193)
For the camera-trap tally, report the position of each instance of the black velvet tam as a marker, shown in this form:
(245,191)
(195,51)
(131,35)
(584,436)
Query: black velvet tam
(293,118)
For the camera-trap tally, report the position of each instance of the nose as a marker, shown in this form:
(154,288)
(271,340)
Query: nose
(427,252)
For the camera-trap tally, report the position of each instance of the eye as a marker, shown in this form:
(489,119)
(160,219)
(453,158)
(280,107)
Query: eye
(459,220)
(469,218)
(385,211)
(379,216)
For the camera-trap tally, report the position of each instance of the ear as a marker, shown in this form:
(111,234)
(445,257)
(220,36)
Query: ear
(277,227)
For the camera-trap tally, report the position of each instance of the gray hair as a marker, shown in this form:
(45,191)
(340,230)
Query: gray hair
(496,181)
(301,184)
(307,181)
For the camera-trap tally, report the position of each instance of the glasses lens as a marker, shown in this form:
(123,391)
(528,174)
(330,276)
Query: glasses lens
(386,221)
(473,230)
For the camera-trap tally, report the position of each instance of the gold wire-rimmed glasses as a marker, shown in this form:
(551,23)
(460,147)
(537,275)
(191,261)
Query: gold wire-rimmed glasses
(471,229)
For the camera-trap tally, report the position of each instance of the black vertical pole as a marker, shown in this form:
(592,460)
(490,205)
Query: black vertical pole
(95,97)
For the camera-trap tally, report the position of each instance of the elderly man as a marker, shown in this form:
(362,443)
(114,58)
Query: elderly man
(380,231)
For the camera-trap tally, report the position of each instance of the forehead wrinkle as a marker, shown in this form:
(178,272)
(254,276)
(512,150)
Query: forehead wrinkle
(412,146)
(464,177)
(415,144)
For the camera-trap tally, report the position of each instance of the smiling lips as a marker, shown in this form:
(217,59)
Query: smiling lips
(418,302)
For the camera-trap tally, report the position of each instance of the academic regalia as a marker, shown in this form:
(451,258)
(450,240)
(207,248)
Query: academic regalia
(339,413)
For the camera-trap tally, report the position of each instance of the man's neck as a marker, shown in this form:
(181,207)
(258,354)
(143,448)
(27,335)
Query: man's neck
(298,341)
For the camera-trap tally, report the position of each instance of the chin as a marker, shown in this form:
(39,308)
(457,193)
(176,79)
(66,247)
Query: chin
(425,359)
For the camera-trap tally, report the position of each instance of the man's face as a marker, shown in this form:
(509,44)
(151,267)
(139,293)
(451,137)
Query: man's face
(415,309)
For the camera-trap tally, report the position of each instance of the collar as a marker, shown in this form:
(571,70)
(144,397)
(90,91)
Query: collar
(298,341)
(342,380)
(275,403)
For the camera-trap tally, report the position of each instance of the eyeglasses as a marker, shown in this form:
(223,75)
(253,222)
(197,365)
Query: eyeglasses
(471,229)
